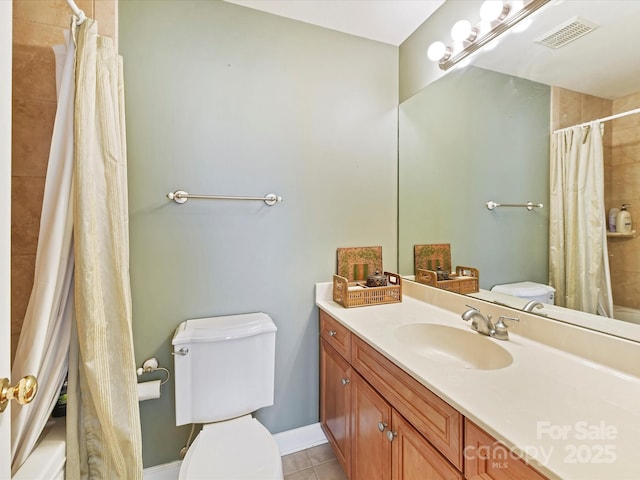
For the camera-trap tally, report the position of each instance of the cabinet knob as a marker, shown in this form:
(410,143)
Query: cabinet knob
(332,333)
(391,435)
(344,381)
(382,426)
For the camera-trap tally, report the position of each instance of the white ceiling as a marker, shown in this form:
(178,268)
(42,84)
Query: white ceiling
(604,63)
(387,21)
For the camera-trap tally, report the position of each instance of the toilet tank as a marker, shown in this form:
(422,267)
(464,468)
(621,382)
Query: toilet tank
(528,290)
(224,367)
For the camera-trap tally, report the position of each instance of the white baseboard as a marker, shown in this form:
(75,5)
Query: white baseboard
(301,438)
(288,442)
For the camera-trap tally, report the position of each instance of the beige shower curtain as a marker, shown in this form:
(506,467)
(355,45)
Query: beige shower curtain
(103,423)
(578,258)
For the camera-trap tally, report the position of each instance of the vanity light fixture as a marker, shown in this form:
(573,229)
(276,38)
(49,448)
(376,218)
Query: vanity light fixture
(497,16)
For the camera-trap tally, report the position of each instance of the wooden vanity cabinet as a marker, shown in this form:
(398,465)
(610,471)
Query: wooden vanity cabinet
(335,387)
(488,459)
(435,419)
(414,458)
(335,402)
(336,335)
(365,425)
(387,447)
(385,425)
(370,420)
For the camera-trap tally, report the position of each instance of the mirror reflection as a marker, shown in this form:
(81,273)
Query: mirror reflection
(482,134)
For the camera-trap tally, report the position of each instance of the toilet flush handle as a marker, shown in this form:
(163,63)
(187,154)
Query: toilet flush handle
(183,351)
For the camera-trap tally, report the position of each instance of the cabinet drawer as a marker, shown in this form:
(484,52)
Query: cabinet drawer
(434,418)
(336,335)
(486,458)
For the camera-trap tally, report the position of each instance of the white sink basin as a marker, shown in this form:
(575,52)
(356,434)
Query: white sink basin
(453,346)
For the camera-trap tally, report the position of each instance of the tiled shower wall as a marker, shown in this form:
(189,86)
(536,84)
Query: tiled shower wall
(37,26)
(622,176)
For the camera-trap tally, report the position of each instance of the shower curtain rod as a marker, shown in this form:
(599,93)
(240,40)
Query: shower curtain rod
(605,119)
(80,16)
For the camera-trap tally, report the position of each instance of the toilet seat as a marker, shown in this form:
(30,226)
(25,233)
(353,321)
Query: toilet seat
(238,449)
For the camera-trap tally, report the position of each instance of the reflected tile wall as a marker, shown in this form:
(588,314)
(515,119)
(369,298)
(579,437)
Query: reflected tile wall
(622,176)
(625,188)
(37,26)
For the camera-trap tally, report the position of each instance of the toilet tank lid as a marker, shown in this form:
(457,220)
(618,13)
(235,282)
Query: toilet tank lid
(216,329)
(524,289)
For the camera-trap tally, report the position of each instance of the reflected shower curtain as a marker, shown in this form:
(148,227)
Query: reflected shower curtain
(578,257)
(103,422)
(44,340)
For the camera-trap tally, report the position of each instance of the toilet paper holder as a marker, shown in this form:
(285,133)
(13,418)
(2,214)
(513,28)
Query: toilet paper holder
(152,365)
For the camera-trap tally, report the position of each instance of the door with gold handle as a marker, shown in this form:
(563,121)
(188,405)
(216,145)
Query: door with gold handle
(22,392)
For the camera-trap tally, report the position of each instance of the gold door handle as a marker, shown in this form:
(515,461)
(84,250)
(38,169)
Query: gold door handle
(23,392)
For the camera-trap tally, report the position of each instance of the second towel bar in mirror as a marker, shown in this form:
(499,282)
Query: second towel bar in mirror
(529,205)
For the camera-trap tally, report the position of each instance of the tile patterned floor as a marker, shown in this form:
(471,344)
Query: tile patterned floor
(316,463)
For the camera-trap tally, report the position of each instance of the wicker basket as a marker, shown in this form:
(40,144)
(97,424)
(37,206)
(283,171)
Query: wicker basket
(357,294)
(465,281)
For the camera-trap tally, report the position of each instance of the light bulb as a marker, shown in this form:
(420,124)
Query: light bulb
(436,51)
(491,10)
(461,30)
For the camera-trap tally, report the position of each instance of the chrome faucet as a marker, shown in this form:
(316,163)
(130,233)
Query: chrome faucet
(531,304)
(483,325)
(479,322)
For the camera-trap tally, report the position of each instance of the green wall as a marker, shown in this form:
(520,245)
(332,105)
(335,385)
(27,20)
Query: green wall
(473,136)
(221,99)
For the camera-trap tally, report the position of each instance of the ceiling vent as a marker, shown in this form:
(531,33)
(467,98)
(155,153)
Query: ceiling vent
(566,33)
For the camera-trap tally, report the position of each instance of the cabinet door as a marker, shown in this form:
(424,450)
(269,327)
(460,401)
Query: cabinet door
(335,402)
(488,459)
(414,458)
(370,420)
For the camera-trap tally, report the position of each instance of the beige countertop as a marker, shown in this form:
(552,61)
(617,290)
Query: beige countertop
(567,415)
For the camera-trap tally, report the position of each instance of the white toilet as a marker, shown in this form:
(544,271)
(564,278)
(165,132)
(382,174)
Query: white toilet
(528,290)
(224,370)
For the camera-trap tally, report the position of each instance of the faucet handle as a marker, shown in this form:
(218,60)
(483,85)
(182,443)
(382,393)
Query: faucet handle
(501,331)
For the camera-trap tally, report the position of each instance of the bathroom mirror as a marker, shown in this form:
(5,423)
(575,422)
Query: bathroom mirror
(481,133)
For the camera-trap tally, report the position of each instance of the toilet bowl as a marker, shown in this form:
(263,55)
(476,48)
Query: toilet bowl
(238,449)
